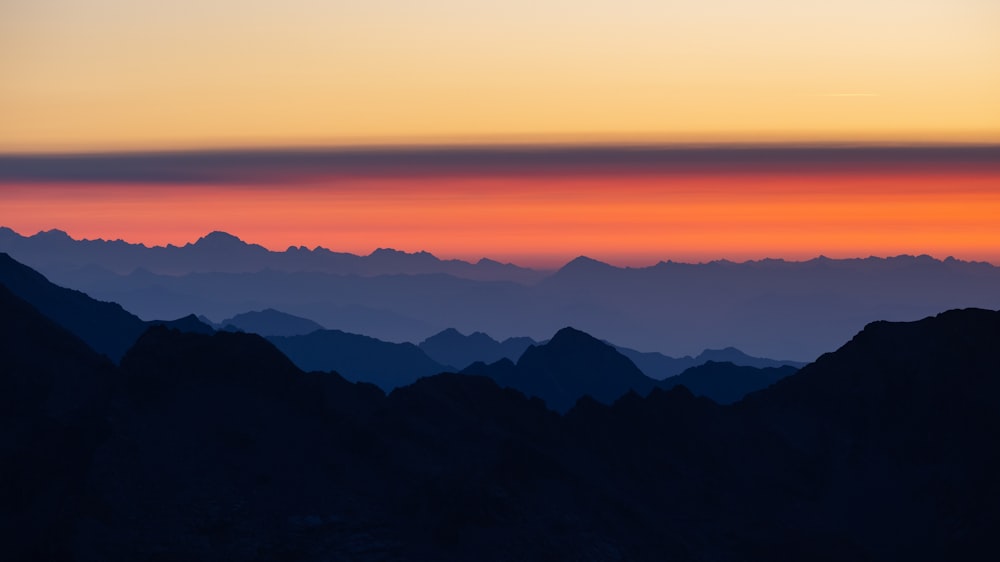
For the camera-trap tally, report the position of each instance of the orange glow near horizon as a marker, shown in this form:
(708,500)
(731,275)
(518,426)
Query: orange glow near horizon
(545,221)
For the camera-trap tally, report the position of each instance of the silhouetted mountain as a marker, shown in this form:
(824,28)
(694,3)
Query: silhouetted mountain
(270,322)
(54,392)
(737,357)
(767,308)
(451,347)
(570,365)
(189,323)
(903,419)
(358,358)
(660,366)
(725,383)
(104,326)
(574,364)
(216,446)
(54,251)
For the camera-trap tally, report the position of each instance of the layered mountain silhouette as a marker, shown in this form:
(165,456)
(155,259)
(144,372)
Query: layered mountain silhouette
(55,251)
(451,347)
(660,366)
(359,358)
(104,326)
(270,322)
(767,308)
(109,329)
(725,382)
(208,446)
(573,365)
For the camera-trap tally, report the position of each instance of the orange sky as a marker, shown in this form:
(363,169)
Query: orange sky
(543,220)
(86,76)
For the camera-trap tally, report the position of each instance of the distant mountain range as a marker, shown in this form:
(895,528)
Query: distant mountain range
(768,308)
(451,347)
(209,446)
(268,322)
(359,358)
(221,252)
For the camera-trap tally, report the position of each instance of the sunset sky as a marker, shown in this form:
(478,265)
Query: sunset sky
(117,77)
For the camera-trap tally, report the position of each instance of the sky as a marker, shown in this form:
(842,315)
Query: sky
(120,77)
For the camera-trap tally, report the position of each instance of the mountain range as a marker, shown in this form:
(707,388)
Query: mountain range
(212,446)
(767,308)
(54,250)
(104,326)
(111,330)
(267,322)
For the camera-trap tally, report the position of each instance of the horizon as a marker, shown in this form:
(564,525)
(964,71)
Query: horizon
(542,269)
(534,205)
(529,132)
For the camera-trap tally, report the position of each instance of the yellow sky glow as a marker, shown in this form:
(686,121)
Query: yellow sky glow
(111,74)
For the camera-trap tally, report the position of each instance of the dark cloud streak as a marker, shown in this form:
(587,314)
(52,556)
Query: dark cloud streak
(277,166)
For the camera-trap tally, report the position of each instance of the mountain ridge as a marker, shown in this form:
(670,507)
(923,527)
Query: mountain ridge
(242,454)
(222,251)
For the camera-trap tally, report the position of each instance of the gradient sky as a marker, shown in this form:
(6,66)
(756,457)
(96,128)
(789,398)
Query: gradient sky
(118,74)
(119,77)
(538,207)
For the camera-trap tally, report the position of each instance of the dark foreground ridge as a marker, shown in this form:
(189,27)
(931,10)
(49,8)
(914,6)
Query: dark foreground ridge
(216,446)
(105,326)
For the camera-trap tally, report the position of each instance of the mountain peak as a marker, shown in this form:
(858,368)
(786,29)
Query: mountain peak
(392,252)
(585,261)
(218,238)
(53,234)
(586,265)
(570,335)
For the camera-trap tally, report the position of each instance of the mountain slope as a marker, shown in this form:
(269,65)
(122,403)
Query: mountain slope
(54,398)
(270,322)
(660,366)
(905,418)
(358,358)
(725,383)
(216,446)
(451,347)
(570,365)
(104,326)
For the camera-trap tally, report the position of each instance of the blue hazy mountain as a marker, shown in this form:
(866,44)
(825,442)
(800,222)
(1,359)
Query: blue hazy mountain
(242,455)
(359,358)
(55,251)
(573,364)
(660,366)
(270,322)
(726,383)
(451,347)
(766,308)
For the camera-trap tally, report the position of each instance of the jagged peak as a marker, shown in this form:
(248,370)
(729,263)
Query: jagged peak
(388,252)
(53,233)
